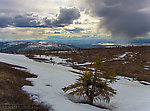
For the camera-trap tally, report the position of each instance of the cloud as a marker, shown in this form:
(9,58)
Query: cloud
(29,6)
(5,21)
(123,18)
(47,22)
(19,21)
(24,21)
(75,30)
(77,22)
(66,17)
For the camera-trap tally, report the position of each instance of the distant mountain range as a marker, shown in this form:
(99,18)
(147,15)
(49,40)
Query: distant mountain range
(32,45)
(21,46)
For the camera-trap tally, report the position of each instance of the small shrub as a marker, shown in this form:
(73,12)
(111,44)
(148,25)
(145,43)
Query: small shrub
(93,85)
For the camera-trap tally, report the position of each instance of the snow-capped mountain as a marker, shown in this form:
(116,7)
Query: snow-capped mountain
(21,46)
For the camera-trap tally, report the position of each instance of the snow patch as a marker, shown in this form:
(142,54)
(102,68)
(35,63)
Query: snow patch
(86,63)
(52,58)
(131,95)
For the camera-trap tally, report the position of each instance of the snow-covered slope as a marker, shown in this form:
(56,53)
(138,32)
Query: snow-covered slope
(21,46)
(131,95)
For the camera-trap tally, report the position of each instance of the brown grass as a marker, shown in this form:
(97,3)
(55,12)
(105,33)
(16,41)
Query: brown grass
(134,69)
(11,95)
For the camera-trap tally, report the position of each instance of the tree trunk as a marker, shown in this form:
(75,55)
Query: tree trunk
(91,97)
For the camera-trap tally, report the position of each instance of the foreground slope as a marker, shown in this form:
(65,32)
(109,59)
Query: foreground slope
(11,96)
(131,95)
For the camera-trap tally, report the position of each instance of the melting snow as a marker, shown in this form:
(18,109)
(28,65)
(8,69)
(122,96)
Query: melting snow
(86,63)
(147,68)
(131,95)
(125,62)
(54,59)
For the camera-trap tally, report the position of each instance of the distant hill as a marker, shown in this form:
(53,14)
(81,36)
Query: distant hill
(22,46)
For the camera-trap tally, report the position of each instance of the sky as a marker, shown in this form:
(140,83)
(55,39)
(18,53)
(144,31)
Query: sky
(74,19)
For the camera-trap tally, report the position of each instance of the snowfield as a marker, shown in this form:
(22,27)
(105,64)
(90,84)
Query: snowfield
(131,95)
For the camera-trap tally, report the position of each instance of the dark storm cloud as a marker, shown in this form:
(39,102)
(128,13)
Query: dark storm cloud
(5,21)
(66,17)
(75,30)
(123,18)
(19,21)
(24,21)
